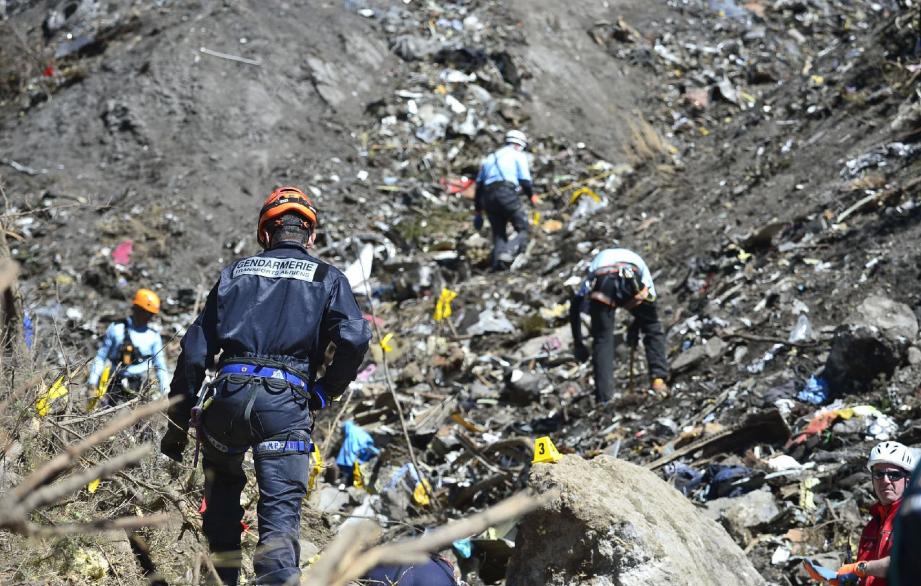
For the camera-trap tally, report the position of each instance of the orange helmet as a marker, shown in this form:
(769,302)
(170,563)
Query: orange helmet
(147,300)
(284,200)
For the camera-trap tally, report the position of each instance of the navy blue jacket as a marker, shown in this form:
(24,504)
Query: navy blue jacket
(284,305)
(436,572)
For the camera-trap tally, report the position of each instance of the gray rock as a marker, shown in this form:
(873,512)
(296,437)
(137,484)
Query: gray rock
(914,356)
(859,354)
(491,321)
(740,514)
(689,358)
(524,387)
(329,499)
(616,523)
(895,320)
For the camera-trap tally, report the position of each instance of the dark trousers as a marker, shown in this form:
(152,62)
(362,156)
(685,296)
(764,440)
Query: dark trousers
(276,423)
(646,319)
(503,207)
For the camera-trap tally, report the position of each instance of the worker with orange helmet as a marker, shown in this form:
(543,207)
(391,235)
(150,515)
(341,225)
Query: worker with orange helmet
(272,316)
(131,346)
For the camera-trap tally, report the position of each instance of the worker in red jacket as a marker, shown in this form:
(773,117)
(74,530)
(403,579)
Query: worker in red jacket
(890,465)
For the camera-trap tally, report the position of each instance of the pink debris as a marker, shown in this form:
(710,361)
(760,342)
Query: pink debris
(122,253)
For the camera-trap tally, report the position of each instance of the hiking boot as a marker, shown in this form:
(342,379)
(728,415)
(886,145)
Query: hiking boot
(659,387)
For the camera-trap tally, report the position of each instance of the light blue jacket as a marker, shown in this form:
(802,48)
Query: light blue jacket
(615,256)
(506,164)
(149,346)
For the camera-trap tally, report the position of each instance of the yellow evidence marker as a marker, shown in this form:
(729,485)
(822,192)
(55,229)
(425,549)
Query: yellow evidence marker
(545,451)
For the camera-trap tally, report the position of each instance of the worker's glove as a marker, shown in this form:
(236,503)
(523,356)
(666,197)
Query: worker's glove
(581,353)
(534,199)
(849,574)
(318,398)
(478,222)
(174,442)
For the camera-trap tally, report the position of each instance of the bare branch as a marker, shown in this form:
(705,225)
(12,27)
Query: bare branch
(122,523)
(51,493)
(66,459)
(348,560)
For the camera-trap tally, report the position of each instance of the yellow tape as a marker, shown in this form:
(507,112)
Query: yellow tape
(584,191)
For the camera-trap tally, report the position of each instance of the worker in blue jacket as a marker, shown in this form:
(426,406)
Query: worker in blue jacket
(501,175)
(131,347)
(272,316)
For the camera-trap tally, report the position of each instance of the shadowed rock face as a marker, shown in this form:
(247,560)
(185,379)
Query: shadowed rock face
(873,344)
(616,523)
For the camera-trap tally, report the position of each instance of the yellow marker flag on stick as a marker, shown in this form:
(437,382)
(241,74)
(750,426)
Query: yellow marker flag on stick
(93,486)
(100,388)
(358,480)
(316,469)
(385,343)
(443,305)
(57,390)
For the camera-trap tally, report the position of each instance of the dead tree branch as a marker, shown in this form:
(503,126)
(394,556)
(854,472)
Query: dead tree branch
(35,491)
(348,558)
(66,459)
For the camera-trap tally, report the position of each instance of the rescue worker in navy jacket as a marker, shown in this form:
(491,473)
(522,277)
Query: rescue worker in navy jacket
(272,316)
(497,183)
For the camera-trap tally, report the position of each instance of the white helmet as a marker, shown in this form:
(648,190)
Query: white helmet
(516,137)
(891,453)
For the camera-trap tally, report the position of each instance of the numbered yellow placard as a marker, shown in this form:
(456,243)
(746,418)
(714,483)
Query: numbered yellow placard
(545,452)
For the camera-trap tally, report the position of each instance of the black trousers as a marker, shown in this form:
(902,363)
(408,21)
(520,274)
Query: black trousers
(646,319)
(275,422)
(503,207)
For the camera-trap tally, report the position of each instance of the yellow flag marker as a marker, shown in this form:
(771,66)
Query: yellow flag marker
(385,343)
(57,390)
(357,480)
(545,451)
(93,486)
(535,218)
(316,469)
(443,305)
(101,388)
(421,493)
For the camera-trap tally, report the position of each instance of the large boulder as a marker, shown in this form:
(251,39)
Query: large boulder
(873,343)
(617,524)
